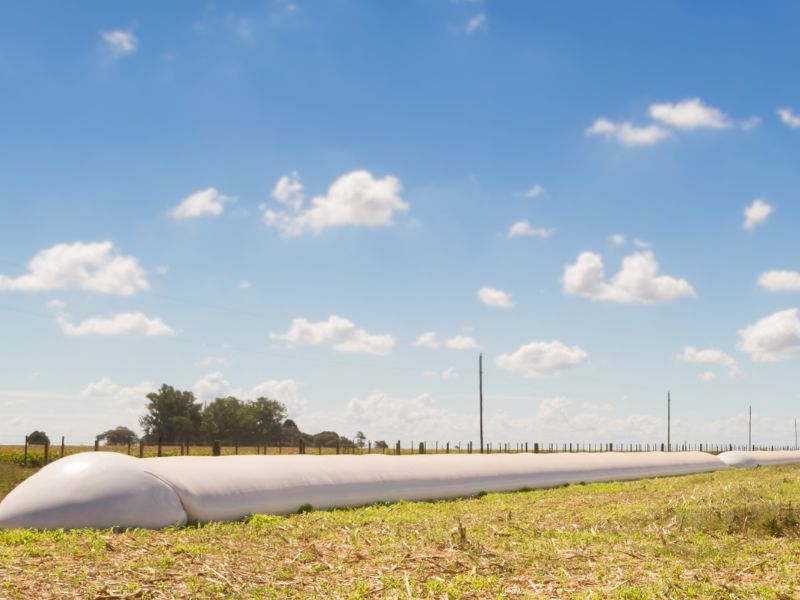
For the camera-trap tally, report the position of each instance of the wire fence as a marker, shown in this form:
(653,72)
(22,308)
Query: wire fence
(39,454)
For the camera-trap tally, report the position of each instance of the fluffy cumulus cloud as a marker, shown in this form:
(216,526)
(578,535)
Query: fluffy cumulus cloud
(130,399)
(628,134)
(354,199)
(211,386)
(120,42)
(495,298)
(428,339)
(710,356)
(203,203)
(637,281)
(756,214)
(129,323)
(541,359)
(523,228)
(286,391)
(431,340)
(668,117)
(780,281)
(383,416)
(773,338)
(619,239)
(338,332)
(461,342)
(690,114)
(91,267)
(789,118)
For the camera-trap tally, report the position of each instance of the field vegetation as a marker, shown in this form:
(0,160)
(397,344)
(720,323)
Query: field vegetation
(730,534)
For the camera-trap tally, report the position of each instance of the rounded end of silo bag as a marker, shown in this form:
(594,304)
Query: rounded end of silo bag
(92,489)
(738,458)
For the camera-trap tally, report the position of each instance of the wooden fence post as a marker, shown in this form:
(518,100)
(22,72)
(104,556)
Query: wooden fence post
(536,447)
(25,453)
(338,447)
(422,447)
(447,448)
(96,444)
(62,446)
(236,448)
(141,448)
(397,448)
(215,449)
(46,452)
(129,445)
(159,446)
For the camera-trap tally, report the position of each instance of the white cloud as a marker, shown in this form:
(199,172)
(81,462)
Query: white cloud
(619,239)
(789,118)
(285,391)
(523,228)
(354,199)
(211,386)
(535,191)
(289,191)
(383,415)
(756,213)
(773,338)
(207,202)
(461,342)
(130,399)
(711,356)
(641,243)
(120,42)
(129,323)
(707,376)
(245,285)
(750,123)
(91,267)
(627,133)
(637,280)
(162,269)
(449,373)
(428,340)
(338,332)
(780,281)
(690,114)
(475,23)
(495,298)
(56,304)
(541,359)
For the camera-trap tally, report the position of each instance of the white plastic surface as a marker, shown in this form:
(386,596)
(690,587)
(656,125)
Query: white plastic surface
(760,457)
(92,489)
(99,489)
(225,488)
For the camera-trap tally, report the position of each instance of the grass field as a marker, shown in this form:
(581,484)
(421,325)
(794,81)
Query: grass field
(732,534)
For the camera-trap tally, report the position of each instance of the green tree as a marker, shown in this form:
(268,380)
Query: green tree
(172,414)
(38,437)
(267,416)
(119,436)
(229,420)
(361,439)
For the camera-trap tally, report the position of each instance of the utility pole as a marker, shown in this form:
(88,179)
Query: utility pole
(480,392)
(750,429)
(795,434)
(669,422)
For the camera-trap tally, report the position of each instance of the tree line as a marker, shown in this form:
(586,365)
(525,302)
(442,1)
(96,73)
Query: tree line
(176,417)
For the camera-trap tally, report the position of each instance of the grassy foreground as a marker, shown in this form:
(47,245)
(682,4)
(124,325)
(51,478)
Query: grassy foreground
(732,534)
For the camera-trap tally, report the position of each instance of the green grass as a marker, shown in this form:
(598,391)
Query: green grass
(732,534)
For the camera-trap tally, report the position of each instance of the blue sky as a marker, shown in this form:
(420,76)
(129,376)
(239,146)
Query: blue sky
(283,198)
